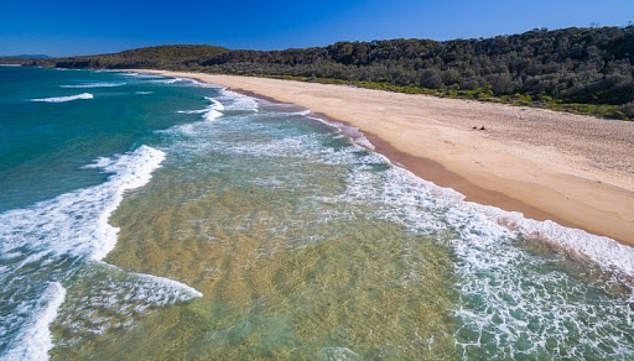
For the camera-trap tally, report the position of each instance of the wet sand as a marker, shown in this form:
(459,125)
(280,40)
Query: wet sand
(575,170)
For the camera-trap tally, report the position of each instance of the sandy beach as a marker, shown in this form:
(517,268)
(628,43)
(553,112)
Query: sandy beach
(575,170)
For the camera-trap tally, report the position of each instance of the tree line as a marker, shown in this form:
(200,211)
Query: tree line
(592,66)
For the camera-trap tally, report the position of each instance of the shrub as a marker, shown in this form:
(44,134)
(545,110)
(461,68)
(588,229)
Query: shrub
(628,109)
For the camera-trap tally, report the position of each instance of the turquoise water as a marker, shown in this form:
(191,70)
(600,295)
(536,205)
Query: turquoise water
(151,218)
(47,145)
(43,146)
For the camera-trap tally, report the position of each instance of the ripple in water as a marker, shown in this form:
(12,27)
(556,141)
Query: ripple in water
(308,246)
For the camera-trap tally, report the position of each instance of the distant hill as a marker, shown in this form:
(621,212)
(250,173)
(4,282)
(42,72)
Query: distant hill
(168,56)
(587,70)
(25,56)
(24,59)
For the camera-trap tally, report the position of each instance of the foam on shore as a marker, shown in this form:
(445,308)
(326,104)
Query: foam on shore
(513,299)
(142,76)
(610,255)
(508,295)
(166,80)
(239,102)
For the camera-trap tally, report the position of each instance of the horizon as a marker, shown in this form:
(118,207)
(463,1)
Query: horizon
(76,29)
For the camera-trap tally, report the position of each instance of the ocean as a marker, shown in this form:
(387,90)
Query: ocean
(153,218)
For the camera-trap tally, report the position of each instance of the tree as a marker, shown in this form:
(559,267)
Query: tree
(575,65)
(628,109)
(430,78)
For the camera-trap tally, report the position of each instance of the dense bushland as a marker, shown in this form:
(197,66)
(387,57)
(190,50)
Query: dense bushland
(587,70)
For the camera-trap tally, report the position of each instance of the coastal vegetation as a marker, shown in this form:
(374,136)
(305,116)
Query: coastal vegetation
(583,70)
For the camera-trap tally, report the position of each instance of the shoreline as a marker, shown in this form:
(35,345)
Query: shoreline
(599,200)
(433,171)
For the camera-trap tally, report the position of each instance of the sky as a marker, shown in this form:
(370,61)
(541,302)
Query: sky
(70,27)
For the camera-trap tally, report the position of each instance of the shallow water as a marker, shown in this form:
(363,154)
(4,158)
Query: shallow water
(302,245)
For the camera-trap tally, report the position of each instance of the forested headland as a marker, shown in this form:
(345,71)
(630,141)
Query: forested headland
(584,70)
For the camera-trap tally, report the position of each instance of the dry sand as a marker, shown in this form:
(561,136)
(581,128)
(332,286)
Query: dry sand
(575,170)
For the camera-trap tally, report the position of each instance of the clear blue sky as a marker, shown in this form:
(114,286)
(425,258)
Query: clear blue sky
(83,27)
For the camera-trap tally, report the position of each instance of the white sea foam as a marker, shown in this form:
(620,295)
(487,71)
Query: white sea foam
(64,99)
(508,295)
(210,113)
(603,251)
(606,252)
(204,84)
(73,225)
(214,111)
(304,113)
(143,93)
(238,102)
(189,292)
(130,171)
(337,354)
(232,101)
(76,223)
(167,80)
(114,298)
(10,65)
(93,85)
(216,104)
(35,340)
(142,76)
(351,132)
(198,111)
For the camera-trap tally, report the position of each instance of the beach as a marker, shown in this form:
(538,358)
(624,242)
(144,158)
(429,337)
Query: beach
(159,217)
(575,170)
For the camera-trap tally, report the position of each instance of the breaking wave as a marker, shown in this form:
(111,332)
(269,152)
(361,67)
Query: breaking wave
(93,85)
(64,99)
